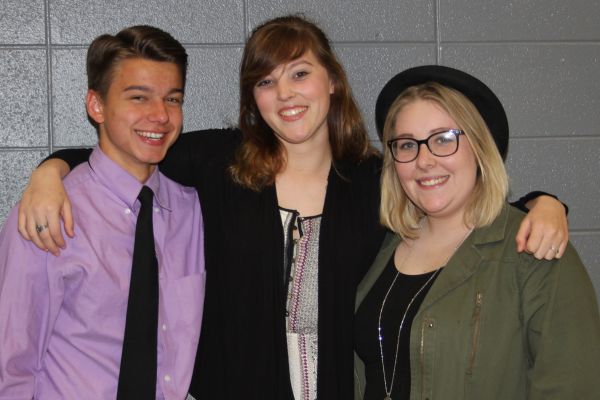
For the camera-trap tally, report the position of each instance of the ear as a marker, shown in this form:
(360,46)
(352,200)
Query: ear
(94,106)
(331,87)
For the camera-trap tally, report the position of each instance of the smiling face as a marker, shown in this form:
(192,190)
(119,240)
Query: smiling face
(141,114)
(294,100)
(439,186)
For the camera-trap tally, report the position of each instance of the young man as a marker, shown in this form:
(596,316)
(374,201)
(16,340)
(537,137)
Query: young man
(117,314)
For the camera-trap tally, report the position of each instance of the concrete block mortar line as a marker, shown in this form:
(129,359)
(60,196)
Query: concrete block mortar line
(50,107)
(438,39)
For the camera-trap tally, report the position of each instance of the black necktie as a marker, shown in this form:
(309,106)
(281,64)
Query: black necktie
(137,377)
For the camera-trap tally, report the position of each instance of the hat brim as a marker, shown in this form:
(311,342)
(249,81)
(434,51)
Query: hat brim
(486,102)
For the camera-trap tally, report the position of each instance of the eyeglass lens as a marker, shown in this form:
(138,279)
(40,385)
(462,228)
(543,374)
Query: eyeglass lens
(441,144)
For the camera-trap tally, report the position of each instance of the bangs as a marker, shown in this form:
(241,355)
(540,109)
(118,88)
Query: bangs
(275,49)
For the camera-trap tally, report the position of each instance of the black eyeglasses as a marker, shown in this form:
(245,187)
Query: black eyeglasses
(440,144)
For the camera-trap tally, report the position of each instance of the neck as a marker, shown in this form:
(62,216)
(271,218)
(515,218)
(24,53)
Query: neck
(307,159)
(140,171)
(445,226)
(435,245)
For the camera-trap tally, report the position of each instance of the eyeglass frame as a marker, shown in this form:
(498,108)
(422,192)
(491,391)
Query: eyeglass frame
(455,132)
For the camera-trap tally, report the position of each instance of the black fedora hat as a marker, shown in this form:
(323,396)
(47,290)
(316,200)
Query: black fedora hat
(486,102)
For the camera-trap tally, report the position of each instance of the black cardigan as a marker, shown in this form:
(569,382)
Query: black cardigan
(243,349)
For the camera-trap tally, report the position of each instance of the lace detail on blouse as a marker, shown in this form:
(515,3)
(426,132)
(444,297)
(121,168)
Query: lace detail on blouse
(301,260)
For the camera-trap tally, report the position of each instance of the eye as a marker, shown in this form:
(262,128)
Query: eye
(175,100)
(445,138)
(264,82)
(301,74)
(405,145)
(138,98)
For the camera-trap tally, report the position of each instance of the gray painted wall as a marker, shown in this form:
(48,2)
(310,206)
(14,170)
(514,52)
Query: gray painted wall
(542,57)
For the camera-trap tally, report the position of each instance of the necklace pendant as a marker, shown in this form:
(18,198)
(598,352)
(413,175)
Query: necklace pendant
(387,398)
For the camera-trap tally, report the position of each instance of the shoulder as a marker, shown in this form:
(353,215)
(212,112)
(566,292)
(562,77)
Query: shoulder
(182,195)
(372,164)
(79,177)
(366,171)
(525,265)
(212,140)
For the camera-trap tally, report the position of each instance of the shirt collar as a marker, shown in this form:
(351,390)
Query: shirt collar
(122,184)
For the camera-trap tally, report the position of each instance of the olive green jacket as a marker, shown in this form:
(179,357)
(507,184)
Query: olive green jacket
(497,324)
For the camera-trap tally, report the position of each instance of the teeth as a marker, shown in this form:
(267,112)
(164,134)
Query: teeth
(151,135)
(292,111)
(432,181)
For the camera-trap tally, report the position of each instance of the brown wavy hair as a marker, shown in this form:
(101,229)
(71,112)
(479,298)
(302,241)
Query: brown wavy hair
(260,156)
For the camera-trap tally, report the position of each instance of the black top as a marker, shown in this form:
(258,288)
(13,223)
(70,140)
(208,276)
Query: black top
(243,347)
(366,332)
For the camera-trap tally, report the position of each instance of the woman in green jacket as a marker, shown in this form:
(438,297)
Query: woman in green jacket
(449,309)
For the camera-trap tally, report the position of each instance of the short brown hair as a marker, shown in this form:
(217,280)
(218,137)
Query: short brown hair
(261,156)
(397,212)
(142,41)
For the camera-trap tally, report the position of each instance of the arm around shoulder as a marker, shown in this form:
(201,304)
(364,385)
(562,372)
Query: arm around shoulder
(43,204)
(193,151)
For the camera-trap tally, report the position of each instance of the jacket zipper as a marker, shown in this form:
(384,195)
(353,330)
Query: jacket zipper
(422,356)
(476,328)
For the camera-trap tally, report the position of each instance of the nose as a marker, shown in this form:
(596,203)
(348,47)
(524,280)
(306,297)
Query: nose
(425,159)
(158,112)
(284,90)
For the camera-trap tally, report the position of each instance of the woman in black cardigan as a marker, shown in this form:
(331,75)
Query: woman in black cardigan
(301,156)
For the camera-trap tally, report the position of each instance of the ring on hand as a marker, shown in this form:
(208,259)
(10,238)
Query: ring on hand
(554,249)
(40,228)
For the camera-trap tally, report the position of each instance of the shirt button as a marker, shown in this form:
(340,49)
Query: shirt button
(155,209)
(167,378)
(164,327)
(127,211)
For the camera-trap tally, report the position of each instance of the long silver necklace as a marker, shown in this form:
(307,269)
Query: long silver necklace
(388,392)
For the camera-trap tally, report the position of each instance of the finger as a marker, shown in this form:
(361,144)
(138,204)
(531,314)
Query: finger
(558,250)
(562,240)
(49,242)
(551,242)
(68,218)
(522,234)
(565,239)
(550,254)
(534,242)
(34,235)
(52,236)
(23,225)
(545,247)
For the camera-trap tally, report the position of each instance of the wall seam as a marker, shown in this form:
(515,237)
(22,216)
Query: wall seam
(556,137)
(438,39)
(246,20)
(49,88)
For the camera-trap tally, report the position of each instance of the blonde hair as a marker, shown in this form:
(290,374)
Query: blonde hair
(397,211)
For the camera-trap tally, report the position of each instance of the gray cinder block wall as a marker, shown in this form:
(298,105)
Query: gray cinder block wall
(542,57)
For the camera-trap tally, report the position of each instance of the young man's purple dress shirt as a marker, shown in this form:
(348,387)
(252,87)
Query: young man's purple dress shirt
(62,319)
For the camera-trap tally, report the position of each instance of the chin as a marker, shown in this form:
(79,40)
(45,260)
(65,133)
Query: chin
(437,210)
(153,158)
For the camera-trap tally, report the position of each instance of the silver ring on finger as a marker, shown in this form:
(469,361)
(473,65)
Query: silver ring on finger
(40,228)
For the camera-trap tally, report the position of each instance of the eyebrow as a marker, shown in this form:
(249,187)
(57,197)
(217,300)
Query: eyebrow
(298,62)
(431,132)
(147,89)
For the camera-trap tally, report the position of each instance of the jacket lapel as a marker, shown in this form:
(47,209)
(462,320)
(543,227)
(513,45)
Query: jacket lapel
(466,260)
(390,243)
